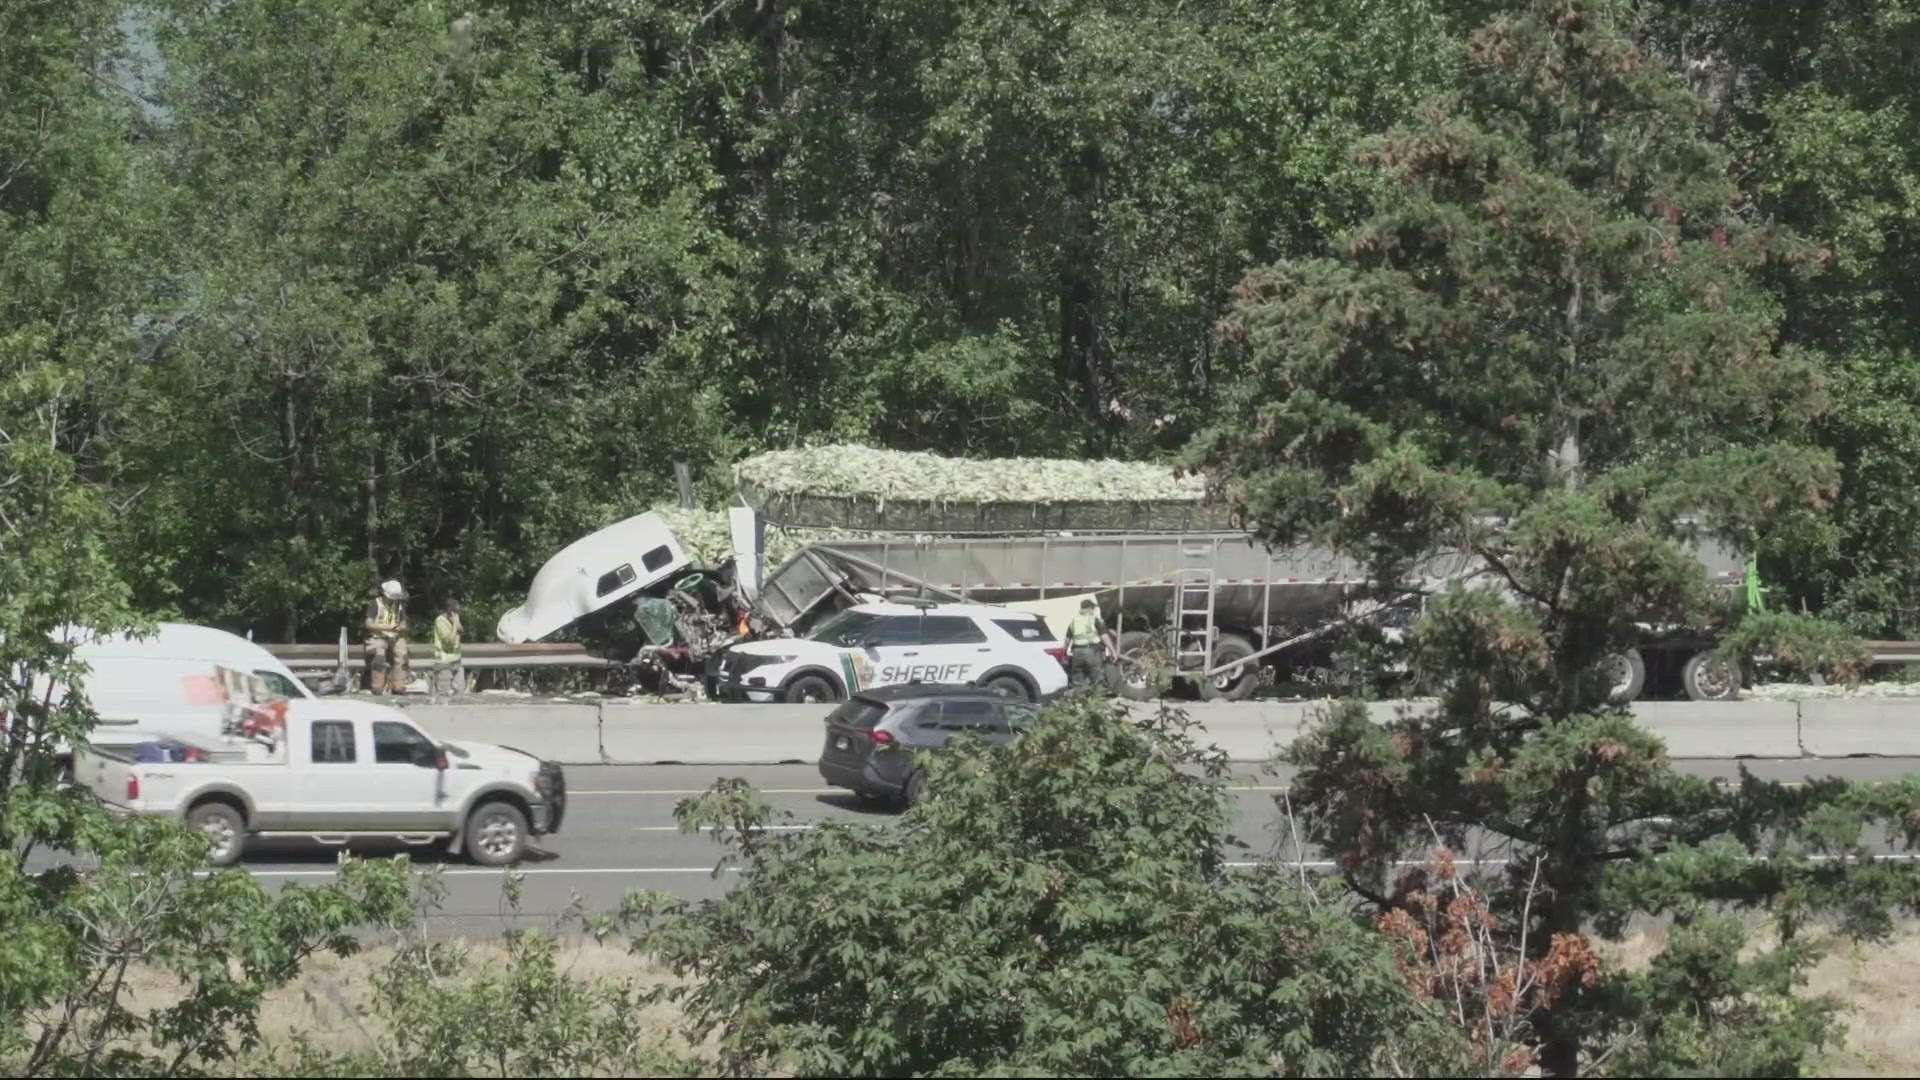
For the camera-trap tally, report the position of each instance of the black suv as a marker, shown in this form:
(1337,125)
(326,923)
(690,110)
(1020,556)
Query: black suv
(873,736)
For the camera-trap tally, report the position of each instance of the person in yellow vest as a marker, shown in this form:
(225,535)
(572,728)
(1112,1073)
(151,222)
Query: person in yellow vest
(449,673)
(386,627)
(1089,643)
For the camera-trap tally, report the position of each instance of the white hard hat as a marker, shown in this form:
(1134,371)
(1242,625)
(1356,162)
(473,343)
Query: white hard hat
(392,590)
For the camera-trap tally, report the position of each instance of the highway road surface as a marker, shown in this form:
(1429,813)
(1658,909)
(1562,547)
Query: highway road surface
(619,835)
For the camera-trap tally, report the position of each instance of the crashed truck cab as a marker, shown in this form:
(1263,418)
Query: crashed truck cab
(595,573)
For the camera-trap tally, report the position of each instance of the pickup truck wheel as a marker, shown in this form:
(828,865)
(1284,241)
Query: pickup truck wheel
(497,834)
(808,689)
(221,824)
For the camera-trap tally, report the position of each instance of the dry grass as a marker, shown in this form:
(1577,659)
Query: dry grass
(1880,984)
(330,1002)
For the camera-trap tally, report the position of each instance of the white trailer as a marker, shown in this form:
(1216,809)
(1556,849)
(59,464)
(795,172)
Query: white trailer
(1214,606)
(1220,605)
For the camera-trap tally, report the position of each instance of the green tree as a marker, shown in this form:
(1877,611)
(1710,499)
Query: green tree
(438,1009)
(1825,127)
(69,282)
(448,297)
(1552,352)
(1062,906)
(995,228)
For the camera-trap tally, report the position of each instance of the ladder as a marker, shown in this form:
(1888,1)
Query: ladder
(1193,613)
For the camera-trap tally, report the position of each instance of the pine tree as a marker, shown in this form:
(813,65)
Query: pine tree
(1552,349)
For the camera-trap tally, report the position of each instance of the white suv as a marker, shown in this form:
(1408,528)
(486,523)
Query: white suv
(888,644)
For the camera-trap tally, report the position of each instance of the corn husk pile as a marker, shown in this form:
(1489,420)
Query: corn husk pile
(864,471)
(708,538)
(858,487)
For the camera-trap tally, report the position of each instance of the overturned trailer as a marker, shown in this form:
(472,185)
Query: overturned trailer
(1213,607)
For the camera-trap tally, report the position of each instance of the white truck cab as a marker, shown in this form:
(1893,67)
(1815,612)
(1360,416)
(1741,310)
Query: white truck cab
(888,644)
(332,770)
(595,572)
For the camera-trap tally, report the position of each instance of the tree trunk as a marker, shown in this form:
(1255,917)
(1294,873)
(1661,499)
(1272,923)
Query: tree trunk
(370,484)
(1567,455)
(292,452)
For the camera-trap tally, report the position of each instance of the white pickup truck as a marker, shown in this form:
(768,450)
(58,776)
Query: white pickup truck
(334,770)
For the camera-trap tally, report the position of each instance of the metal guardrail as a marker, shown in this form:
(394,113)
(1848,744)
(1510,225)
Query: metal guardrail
(347,655)
(1894,652)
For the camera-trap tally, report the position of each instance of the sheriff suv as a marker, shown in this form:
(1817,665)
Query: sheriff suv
(891,644)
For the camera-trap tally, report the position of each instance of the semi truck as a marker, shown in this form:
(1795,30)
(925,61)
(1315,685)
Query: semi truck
(1212,608)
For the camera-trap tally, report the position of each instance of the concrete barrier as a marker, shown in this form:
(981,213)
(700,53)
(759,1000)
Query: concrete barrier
(1250,730)
(1724,729)
(712,734)
(1842,728)
(569,734)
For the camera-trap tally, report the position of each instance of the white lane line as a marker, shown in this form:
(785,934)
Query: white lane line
(1304,864)
(529,872)
(1232,789)
(703,791)
(763,828)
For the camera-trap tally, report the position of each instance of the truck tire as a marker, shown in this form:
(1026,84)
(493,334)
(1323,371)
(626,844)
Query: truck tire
(1707,677)
(1128,675)
(224,826)
(1012,687)
(810,688)
(1625,674)
(1237,684)
(496,834)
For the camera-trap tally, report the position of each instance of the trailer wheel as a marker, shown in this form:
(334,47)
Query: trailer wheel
(1139,672)
(1625,675)
(1234,684)
(1707,677)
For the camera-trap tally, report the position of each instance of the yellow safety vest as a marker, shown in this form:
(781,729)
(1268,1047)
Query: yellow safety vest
(446,640)
(385,615)
(1083,631)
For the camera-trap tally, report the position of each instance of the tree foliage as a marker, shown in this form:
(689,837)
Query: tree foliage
(1553,351)
(429,300)
(1063,906)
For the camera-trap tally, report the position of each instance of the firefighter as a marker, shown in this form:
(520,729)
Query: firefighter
(1088,643)
(386,642)
(449,673)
